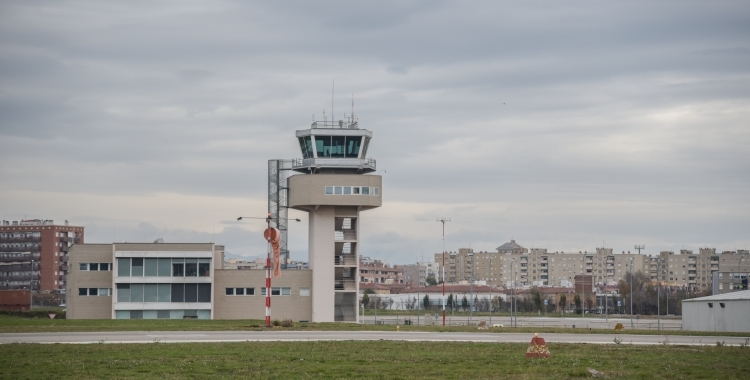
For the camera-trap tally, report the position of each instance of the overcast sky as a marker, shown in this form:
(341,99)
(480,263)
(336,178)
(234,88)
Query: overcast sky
(562,125)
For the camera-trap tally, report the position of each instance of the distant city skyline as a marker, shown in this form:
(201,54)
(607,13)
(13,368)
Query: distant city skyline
(567,127)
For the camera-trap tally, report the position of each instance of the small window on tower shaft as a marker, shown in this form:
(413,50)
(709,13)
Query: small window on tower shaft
(329,189)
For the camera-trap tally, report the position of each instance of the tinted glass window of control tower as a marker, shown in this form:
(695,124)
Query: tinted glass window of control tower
(337,146)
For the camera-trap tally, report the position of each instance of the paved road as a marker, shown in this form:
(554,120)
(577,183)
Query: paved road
(589,322)
(289,336)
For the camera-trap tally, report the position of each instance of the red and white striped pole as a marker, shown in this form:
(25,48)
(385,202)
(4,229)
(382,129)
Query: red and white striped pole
(268,277)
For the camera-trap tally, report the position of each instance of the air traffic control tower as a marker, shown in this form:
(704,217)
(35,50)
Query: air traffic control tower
(335,185)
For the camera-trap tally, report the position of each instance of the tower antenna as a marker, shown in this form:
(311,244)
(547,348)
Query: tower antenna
(639,248)
(333,88)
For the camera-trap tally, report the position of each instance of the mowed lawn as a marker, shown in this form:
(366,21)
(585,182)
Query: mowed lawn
(380,359)
(31,325)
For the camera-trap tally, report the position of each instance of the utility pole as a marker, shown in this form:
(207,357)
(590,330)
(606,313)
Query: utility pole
(490,283)
(443,220)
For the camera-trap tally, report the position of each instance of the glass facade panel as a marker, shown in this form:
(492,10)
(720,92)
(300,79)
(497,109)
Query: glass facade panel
(204,292)
(204,267)
(191,267)
(150,266)
(347,190)
(338,146)
(165,293)
(191,292)
(104,292)
(165,268)
(93,266)
(123,267)
(137,264)
(176,314)
(150,293)
(93,291)
(178,292)
(122,314)
(229,291)
(136,292)
(178,268)
(365,190)
(204,314)
(162,314)
(83,291)
(323,146)
(364,147)
(337,190)
(149,314)
(305,144)
(286,291)
(352,146)
(329,190)
(86,266)
(123,292)
(136,314)
(250,291)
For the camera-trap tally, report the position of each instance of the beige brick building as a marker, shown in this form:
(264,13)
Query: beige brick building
(538,267)
(176,281)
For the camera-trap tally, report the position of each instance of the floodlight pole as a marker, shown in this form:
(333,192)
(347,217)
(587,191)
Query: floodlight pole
(443,220)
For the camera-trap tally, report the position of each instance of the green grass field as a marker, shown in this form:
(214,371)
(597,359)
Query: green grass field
(381,360)
(27,325)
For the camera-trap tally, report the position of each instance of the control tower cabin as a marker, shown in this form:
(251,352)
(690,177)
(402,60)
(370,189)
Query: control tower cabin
(333,188)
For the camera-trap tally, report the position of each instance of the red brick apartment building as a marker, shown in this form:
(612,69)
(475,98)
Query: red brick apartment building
(40,243)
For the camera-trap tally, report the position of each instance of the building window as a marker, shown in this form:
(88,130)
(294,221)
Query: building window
(329,190)
(304,292)
(365,190)
(277,291)
(159,267)
(163,293)
(240,291)
(94,291)
(337,190)
(95,266)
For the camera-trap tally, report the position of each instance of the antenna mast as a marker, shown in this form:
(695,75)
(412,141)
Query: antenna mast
(639,248)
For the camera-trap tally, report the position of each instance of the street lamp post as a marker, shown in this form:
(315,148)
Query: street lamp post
(512,290)
(631,292)
(418,300)
(443,220)
(31,285)
(471,288)
(268,262)
(490,283)
(453,281)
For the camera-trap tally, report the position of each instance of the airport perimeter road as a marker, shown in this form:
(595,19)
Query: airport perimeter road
(588,322)
(294,336)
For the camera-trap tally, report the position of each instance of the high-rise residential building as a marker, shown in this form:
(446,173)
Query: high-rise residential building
(417,274)
(41,242)
(696,272)
(516,265)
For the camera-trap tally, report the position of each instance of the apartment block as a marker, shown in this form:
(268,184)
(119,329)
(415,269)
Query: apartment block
(40,243)
(697,272)
(379,272)
(514,265)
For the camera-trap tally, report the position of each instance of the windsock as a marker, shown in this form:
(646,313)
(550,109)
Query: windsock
(273,236)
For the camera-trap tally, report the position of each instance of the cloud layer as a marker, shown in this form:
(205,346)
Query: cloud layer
(564,126)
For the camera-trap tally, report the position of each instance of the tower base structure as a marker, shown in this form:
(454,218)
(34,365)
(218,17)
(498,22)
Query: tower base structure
(334,202)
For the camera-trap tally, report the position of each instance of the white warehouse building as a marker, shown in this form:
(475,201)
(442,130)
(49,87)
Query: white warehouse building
(728,312)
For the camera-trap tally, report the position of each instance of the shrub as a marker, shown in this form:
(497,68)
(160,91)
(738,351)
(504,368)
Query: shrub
(287,323)
(276,322)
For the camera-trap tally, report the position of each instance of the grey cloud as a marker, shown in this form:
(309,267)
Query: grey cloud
(516,120)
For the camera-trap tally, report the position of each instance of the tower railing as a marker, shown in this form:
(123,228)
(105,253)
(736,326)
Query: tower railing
(365,163)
